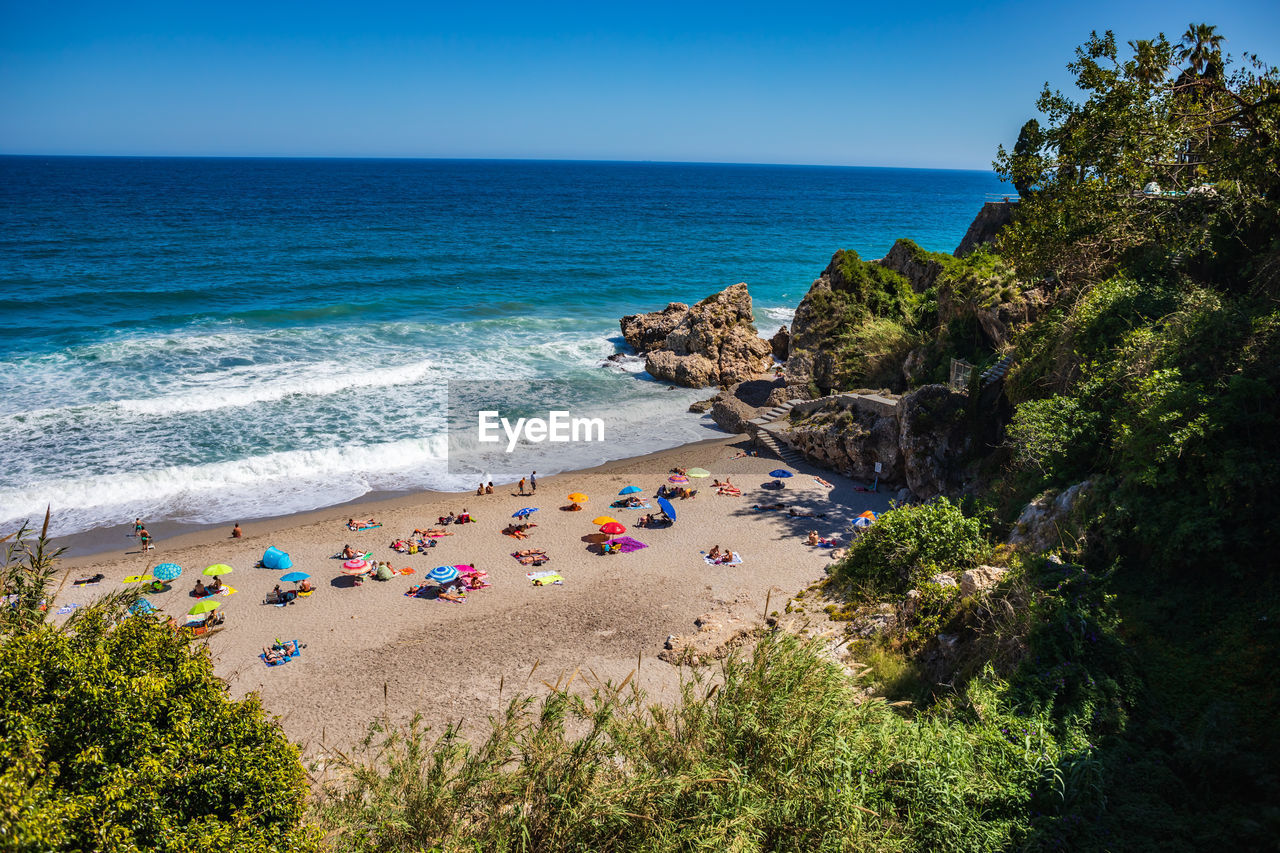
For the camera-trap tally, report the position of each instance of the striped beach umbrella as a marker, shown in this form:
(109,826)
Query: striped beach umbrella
(443,574)
(678,479)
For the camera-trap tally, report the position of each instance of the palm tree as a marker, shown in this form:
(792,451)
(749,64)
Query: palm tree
(1149,71)
(1202,49)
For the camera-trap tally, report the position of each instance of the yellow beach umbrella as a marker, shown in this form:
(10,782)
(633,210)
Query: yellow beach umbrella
(578,497)
(218,569)
(604,519)
(204,607)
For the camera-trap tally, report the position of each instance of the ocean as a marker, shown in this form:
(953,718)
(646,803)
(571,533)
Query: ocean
(212,340)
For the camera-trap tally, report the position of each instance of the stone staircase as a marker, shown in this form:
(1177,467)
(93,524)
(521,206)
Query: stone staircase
(996,372)
(765,434)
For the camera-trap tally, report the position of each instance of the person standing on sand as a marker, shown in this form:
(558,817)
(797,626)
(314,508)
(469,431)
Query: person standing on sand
(236,532)
(522,485)
(533,482)
(137,526)
(145,538)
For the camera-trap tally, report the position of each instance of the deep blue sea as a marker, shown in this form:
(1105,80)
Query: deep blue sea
(205,340)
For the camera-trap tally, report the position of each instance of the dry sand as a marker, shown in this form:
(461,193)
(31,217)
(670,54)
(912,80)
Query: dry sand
(371,650)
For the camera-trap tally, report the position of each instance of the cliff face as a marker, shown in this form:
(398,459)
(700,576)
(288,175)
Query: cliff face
(711,343)
(925,443)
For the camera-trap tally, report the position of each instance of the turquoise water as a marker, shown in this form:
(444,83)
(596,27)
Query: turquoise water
(207,340)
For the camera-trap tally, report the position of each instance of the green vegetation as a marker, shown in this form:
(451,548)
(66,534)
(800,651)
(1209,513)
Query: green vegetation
(115,735)
(907,546)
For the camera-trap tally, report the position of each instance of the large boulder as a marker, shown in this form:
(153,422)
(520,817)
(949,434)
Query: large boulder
(980,579)
(851,440)
(711,343)
(781,343)
(935,440)
(733,407)
(645,332)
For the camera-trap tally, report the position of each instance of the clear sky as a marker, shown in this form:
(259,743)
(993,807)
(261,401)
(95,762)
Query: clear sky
(891,84)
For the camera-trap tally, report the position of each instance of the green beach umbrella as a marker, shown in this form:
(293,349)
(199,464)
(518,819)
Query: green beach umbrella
(204,607)
(218,569)
(698,472)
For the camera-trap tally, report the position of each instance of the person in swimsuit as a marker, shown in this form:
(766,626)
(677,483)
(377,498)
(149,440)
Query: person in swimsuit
(236,532)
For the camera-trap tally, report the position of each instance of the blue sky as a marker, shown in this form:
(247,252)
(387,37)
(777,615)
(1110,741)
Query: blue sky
(924,84)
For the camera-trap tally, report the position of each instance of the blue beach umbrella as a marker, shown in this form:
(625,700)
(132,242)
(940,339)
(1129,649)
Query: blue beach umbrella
(524,513)
(630,490)
(166,571)
(294,577)
(443,574)
(667,508)
(142,607)
(780,472)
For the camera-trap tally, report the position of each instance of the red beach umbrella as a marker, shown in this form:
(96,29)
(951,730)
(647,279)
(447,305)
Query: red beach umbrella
(613,528)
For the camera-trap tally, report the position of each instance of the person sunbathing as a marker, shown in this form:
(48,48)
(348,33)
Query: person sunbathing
(274,656)
(714,553)
(769,506)
(89,580)
(742,454)
(633,502)
(451,594)
(823,482)
(726,557)
(305,585)
(352,524)
(215,585)
(289,647)
(813,537)
(531,552)
(200,591)
(349,553)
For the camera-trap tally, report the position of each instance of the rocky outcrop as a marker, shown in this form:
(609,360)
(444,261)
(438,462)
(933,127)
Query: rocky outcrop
(985,226)
(711,343)
(851,441)
(734,406)
(1051,520)
(781,343)
(912,263)
(934,439)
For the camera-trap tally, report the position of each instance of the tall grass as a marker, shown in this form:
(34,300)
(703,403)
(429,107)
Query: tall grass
(773,753)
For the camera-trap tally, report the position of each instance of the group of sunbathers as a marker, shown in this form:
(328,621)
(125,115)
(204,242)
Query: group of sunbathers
(719,555)
(681,492)
(352,524)
(280,652)
(214,587)
(455,590)
(463,518)
(519,531)
(531,556)
(412,544)
(629,502)
(727,488)
(821,541)
(482,489)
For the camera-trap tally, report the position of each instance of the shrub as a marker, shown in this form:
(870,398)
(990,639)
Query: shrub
(117,736)
(894,553)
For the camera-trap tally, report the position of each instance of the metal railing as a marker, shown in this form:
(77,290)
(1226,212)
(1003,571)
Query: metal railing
(1012,198)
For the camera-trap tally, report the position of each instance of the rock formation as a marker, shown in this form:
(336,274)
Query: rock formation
(781,344)
(711,343)
(1050,519)
(935,440)
(912,263)
(985,226)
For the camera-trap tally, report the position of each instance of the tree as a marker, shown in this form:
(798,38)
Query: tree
(1134,126)
(115,734)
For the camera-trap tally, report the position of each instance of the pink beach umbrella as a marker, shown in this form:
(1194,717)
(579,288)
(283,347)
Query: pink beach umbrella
(678,479)
(354,567)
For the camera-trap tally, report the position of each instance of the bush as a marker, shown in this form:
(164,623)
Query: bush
(119,737)
(893,554)
(1056,436)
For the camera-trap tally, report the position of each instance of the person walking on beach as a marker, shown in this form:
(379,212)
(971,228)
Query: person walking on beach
(522,485)
(533,482)
(137,526)
(145,538)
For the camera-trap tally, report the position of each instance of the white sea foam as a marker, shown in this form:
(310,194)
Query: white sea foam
(783,316)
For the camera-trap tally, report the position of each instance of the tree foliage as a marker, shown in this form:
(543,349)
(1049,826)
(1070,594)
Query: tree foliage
(906,542)
(116,735)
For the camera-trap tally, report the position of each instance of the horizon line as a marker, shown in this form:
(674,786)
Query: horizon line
(416,157)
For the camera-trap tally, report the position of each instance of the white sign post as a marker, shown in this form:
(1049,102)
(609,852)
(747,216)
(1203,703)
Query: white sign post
(876,486)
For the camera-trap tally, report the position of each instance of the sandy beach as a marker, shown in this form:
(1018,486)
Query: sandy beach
(370,650)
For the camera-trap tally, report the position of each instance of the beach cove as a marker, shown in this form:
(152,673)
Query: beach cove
(370,650)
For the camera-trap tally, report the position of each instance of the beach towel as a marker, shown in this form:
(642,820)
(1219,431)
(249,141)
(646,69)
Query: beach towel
(138,578)
(297,650)
(364,526)
(626,544)
(226,590)
(66,608)
(544,578)
(822,482)
(736,561)
(729,491)
(365,556)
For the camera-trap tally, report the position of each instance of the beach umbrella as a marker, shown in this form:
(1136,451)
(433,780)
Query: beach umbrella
(604,519)
(204,607)
(699,472)
(356,563)
(871,514)
(578,498)
(524,513)
(863,522)
(678,479)
(443,574)
(667,508)
(631,490)
(142,607)
(353,570)
(613,528)
(166,571)
(780,472)
(295,577)
(218,569)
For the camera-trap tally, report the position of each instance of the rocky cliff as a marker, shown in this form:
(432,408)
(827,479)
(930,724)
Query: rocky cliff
(985,226)
(712,343)
(925,444)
